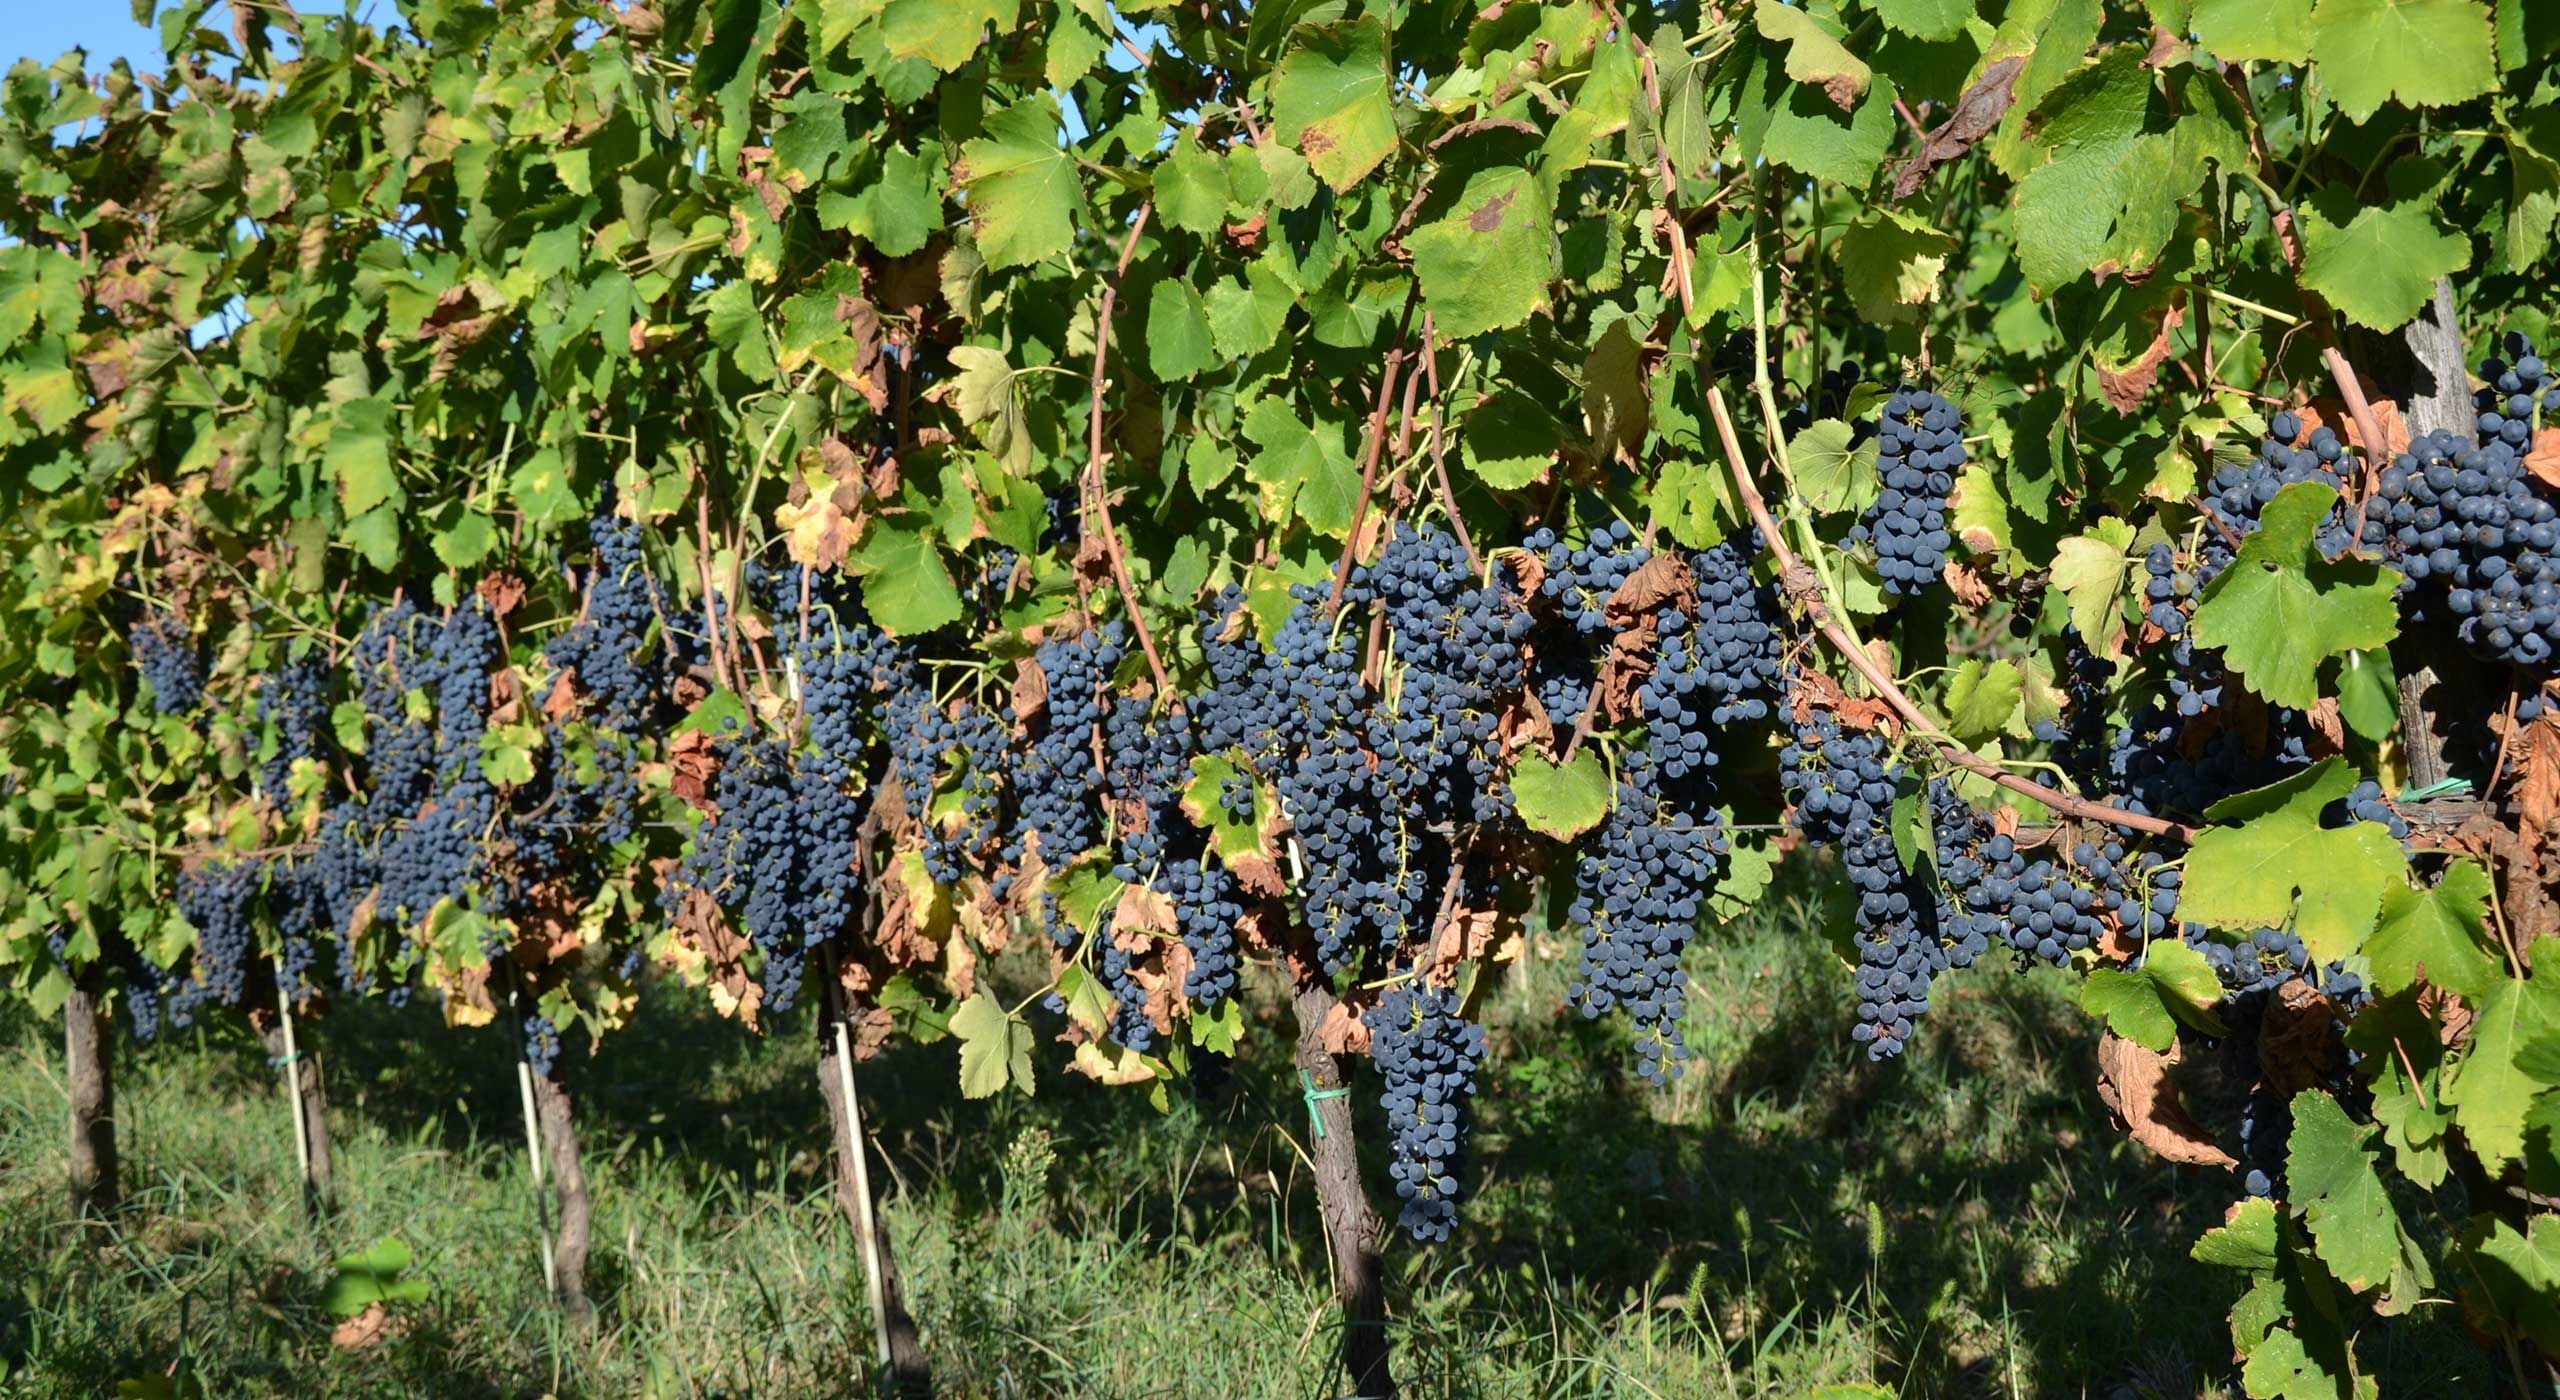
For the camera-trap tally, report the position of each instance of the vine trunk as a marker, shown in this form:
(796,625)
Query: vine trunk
(552,1107)
(1351,1227)
(319,1179)
(95,1188)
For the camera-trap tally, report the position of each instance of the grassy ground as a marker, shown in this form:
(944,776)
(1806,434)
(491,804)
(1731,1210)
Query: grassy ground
(1964,1223)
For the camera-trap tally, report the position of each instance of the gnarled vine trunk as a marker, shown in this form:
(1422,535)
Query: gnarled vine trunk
(299,1072)
(1351,1227)
(2421,368)
(95,1188)
(576,1214)
(910,1374)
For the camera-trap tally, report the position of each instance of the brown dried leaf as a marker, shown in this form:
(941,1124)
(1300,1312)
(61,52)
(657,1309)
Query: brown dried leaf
(2328,726)
(701,940)
(1113,1065)
(546,924)
(1970,588)
(562,700)
(1523,723)
(1093,559)
(870,1033)
(361,917)
(1624,669)
(1142,918)
(502,591)
(2535,754)
(2135,1085)
(1528,570)
(1664,580)
(693,762)
(1030,689)
(2296,1049)
(2125,389)
(2544,460)
(1976,113)
(862,322)
(905,936)
(960,965)
(2332,410)
(819,533)
(365,1330)
(1343,1032)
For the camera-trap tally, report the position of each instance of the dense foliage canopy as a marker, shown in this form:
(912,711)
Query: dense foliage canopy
(513,499)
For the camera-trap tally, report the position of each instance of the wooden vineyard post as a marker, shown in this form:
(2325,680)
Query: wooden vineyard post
(95,1187)
(2421,368)
(899,1345)
(308,1097)
(1352,1229)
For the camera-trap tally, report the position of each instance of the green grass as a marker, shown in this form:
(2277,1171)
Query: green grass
(1963,1223)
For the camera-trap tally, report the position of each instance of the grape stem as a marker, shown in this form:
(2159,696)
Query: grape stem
(2314,307)
(1377,442)
(1100,501)
(1439,462)
(1802,584)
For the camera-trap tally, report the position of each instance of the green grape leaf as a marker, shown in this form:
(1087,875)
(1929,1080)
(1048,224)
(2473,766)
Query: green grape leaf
(905,583)
(1836,473)
(1982,699)
(1023,190)
(729,315)
(2246,1241)
(1891,261)
(898,213)
(2404,1049)
(2281,609)
(2493,1083)
(1332,99)
(2240,31)
(987,398)
(2439,934)
(2518,1275)
(2279,865)
(1814,54)
(1234,834)
(1178,338)
(1744,876)
(2087,129)
(1219,1031)
(1694,501)
(1485,264)
(1806,132)
(1561,800)
(2419,53)
(2282,1367)
(2331,1177)
(995,1048)
(944,33)
(369,1276)
(1245,318)
(359,455)
(1924,19)
(2094,571)
(2144,1004)
(1303,471)
(2377,263)
(2369,693)
(1191,187)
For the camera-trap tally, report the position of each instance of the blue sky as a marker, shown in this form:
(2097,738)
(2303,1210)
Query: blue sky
(42,29)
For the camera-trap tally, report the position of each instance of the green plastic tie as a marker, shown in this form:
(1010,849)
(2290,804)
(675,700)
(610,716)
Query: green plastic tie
(1314,1095)
(2450,787)
(280,1061)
